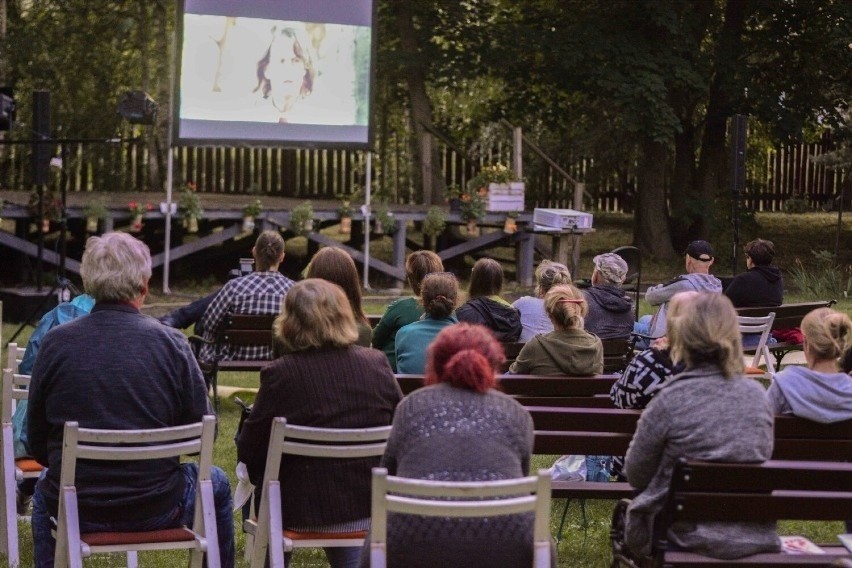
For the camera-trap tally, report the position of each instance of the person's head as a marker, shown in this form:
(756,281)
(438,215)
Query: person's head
(439,293)
(315,314)
(335,265)
(420,263)
(549,274)
(268,251)
(566,307)
(759,252)
(828,335)
(610,269)
(286,71)
(465,355)
(486,278)
(699,257)
(116,267)
(702,329)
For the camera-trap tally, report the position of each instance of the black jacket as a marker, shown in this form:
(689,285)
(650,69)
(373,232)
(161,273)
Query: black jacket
(502,319)
(760,286)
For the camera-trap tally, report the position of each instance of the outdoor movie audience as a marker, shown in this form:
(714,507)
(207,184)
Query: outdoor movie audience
(485,306)
(698,259)
(257,293)
(709,412)
(568,349)
(118,369)
(762,284)
(821,391)
(405,310)
(439,292)
(336,266)
(610,313)
(322,380)
(459,428)
(534,319)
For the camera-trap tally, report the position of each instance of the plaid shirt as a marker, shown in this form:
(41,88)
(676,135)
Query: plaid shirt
(255,293)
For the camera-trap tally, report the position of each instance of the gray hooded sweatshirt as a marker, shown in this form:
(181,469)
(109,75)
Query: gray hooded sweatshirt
(821,397)
(660,295)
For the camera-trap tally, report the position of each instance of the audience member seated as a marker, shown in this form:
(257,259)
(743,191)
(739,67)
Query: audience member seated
(534,319)
(260,292)
(439,292)
(610,311)
(405,310)
(568,349)
(485,306)
(118,369)
(821,392)
(699,258)
(760,285)
(459,428)
(336,266)
(322,380)
(709,412)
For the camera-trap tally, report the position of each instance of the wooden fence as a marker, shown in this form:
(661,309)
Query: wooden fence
(771,179)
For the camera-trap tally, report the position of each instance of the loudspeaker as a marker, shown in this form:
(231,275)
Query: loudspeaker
(739,129)
(41,153)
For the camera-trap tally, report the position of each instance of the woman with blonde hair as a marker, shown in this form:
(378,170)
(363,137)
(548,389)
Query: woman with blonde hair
(323,380)
(336,266)
(568,349)
(709,412)
(534,318)
(821,391)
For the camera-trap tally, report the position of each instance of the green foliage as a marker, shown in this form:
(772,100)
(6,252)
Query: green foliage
(385,218)
(823,277)
(300,217)
(253,209)
(96,208)
(473,206)
(435,221)
(189,203)
(796,205)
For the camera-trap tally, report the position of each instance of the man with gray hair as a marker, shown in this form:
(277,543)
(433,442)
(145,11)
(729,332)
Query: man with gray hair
(118,369)
(610,310)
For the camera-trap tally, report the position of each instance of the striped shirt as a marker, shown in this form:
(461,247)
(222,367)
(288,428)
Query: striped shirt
(256,293)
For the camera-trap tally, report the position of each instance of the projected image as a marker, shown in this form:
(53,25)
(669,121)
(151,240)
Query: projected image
(270,71)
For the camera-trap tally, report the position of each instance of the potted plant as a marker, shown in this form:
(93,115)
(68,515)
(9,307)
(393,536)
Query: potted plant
(510,225)
(250,212)
(434,223)
(502,189)
(473,210)
(302,218)
(189,205)
(453,197)
(51,208)
(385,223)
(137,210)
(94,212)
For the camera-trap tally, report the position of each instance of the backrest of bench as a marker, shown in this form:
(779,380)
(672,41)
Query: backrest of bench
(801,439)
(585,419)
(534,385)
(247,329)
(786,315)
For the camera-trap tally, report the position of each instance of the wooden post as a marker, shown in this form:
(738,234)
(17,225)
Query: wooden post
(518,152)
(579,190)
(426,167)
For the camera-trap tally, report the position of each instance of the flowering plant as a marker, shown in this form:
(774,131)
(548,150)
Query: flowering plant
(495,173)
(95,208)
(189,202)
(473,205)
(253,209)
(136,208)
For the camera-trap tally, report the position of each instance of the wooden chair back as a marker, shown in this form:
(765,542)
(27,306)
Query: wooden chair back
(763,326)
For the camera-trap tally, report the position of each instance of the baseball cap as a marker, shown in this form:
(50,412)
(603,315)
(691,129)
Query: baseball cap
(700,250)
(611,266)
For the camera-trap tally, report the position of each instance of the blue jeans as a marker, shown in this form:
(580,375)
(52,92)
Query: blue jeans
(44,545)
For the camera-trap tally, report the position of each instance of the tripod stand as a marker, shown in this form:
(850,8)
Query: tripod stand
(63,289)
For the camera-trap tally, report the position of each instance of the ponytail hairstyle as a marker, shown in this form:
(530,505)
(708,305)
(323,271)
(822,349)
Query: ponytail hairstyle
(828,333)
(467,356)
(439,293)
(566,306)
(549,274)
(268,250)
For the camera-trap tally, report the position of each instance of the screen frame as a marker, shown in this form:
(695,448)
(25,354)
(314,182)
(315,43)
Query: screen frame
(177,140)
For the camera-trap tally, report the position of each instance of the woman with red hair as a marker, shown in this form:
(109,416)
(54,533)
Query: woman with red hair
(458,428)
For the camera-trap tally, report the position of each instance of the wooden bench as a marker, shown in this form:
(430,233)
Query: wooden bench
(774,490)
(786,316)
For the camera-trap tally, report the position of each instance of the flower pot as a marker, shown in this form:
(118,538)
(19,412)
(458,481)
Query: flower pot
(308,226)
(472,228)
(192,224)
(248,224)
(510,226)
(346,225)
(136,224)
(378,229)
(92,224)
(45,225)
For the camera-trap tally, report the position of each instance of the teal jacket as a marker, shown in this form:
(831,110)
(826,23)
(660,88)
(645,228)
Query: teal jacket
(412,341)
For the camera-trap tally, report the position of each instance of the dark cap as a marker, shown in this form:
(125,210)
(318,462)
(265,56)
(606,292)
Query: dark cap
(700,250)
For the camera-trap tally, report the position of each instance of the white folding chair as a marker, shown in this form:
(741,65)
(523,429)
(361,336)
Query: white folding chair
(130,445)
(761,325)
(15,388)
(14,356)
(268,529)
(468,499)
